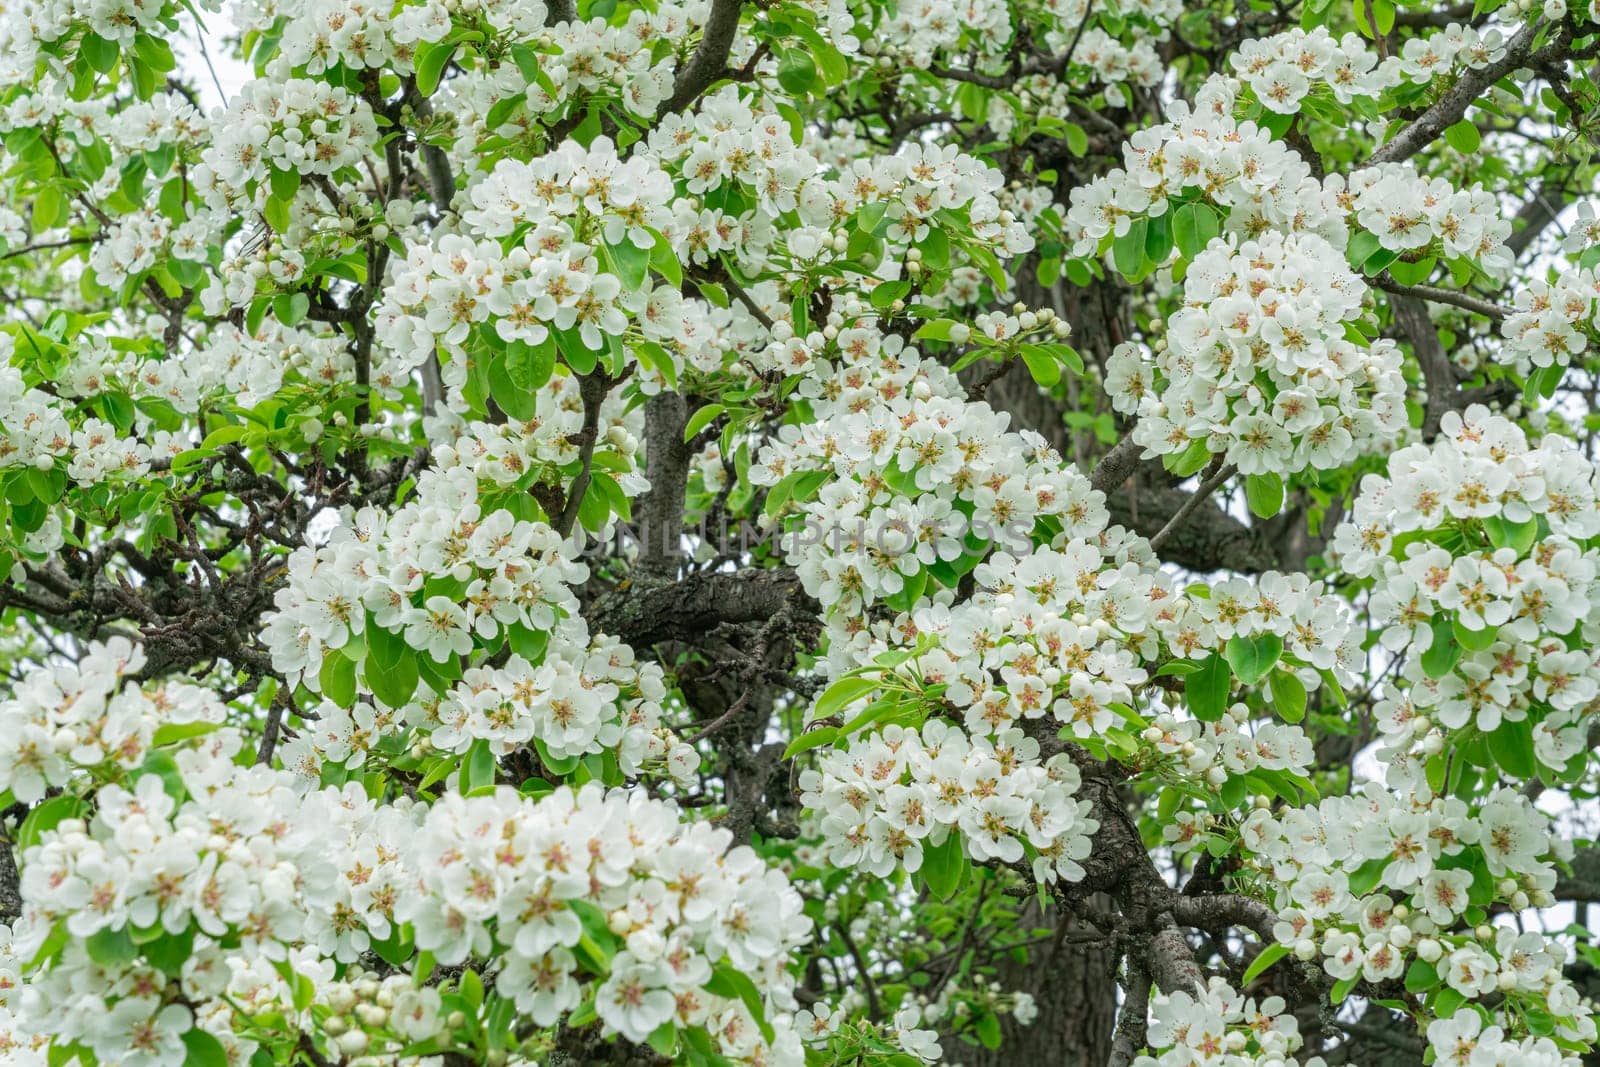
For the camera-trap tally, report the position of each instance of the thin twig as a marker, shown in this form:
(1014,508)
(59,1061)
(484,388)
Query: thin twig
(1207,487)
(1442,296)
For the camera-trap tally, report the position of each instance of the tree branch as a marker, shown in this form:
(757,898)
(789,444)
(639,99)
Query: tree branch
(710,61)
(1449,108)
(643,615)
(1207,487)
(1441,296)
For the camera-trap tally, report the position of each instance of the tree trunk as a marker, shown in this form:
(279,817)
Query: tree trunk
(1074,985)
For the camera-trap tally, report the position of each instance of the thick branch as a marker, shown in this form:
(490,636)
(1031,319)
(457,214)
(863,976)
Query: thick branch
(1411,316)
(710,61)
(667,466)
(643,615)
(1209,539)
(10,886)
(1442,296)
(1449,108)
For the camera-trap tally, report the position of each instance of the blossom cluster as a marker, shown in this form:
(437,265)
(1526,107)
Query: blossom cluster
(436,578)
(499,870)
(564,204)
(1369,882)
(218,852)
(908,469)
(39,434)
(403,570)
(523,451)
(1215,1024)
(1231,164)
(1257,366)
(1551,321)
(91,715)
(890,796)
(133,244)
(1408,212)
(226,364)
(595,58)
(320,34)
(299,126)
(1477,546)
(1282,70)
(1462,1039)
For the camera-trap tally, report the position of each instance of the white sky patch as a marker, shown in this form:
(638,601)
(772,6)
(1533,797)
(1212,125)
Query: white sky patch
(220,79)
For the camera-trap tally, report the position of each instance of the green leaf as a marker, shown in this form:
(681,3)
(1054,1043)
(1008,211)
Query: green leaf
(701,419)
(1407,273)
(394,684)
(1446,1001)
(1366,877)
(46,816)
(665,261)
(1264,494)
(1043,367)
(478,769)
(111,948)
(632,263)
(530,366)
(291,308)
(1077,138)
(276,212)
(1511,747)
(170,952)
(285,184)
(1518,536)
(1127,251)
(736,985)
(1474,640)
(1443,653)
(49,208)
(1464,137)
(989,1030)
(168,733)
(518,403)
(160,763)
(1421,977)
(810,739)
(203,1050)
(1193,227)
(944,867)
(337,679)
(797,72)
(1288,695)
(430,63)
(1264,959)
(472,990)
(1157,239)
(101,53)
(935,330)
(842,693)
(1206,690)
(1361,246)
(1252,657)
(664,1039)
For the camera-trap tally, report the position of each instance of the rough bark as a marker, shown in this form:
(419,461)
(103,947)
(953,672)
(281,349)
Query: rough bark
(667,466)
(644,614)
(1074,986)
(10,886)
(1208,539)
